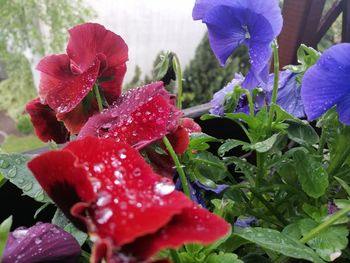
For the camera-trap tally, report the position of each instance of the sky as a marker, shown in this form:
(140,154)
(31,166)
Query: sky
(149,26)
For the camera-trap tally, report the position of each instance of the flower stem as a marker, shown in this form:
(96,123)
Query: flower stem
(179,169)
(331,220)
(338,161)
(276,65)
(250,101)
(98,98)
(260,159)
(178,74)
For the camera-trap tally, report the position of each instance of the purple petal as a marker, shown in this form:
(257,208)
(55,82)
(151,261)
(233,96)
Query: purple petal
(327,83)
(218,101)
(244,222)
(41,243)
(217,190)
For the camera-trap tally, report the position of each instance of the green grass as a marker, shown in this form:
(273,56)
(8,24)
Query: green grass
(14,144)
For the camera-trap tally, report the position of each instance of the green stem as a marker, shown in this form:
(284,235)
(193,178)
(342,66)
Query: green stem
(331,220)
(175,256)
(338,161)
(179,169)
(321,144)
(276,65)
(260,161)
(178,73)
(250,101)
(98,98)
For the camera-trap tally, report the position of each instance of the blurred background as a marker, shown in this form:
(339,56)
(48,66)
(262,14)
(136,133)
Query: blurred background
(32,29)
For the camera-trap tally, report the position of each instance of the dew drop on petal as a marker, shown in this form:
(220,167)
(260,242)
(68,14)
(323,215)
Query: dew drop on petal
(99,168)
(103,199)
(137,172)
(164,187)
(37,241)
(102,216)
(19,233)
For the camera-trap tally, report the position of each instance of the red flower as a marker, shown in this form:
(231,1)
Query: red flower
(139,117)
(47,127)
(93,54)
(106,188)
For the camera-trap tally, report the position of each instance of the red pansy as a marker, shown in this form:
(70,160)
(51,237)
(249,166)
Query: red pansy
(108,189)
(95,55)
(47,127)
(139,117)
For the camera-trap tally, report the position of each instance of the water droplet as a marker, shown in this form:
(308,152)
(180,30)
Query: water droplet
(122,154)
(37,240)
(12,172)
(102,216)
(99,168)
(103,199)
(116,200)
(137,172)
(164,187)
(96,184)
(4,164)
(28,186)
(20,233)
(18,161)
(54,230)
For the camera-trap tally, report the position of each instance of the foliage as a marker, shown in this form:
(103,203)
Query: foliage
(24,125)
(14,144)
(204,76)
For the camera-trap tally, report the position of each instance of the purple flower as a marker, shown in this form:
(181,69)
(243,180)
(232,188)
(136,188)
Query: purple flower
(244,222)
(219,187)
(231,23)
(327,84)
(41,243)
(219,100)
(332,208)
(288,97)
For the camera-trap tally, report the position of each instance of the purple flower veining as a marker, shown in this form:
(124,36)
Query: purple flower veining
(41,243)
(232,23)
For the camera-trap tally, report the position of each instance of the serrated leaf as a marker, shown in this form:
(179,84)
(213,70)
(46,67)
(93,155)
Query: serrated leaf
(14,168)
(198,139)
(223,258)
(229,145)
(345,186)
(328,243)
(301,132)
(63,222)
(242,166)
(311,174)
(4,231)
(250,120)
(273,240)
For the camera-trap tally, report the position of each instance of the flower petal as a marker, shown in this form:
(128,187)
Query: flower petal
(138,118)
(41,243)
(46,125)
(89,40)
(59,87)
(193,225)
(343,109)
(112,89)
(65,181)
(128,192)
(327,82)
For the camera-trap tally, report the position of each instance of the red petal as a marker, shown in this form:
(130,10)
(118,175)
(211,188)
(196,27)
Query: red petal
(139,117)
(190,125)
(112,89)
(89,40)
(129,192)
(193,225)
(59,87)
(76,119)
(65,181)
(47,127)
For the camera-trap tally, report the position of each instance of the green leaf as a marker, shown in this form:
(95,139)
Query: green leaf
(343,184)
(316,213)
(311,174)
(273,240)
(328,243)
(63,222)
(229,145)
(14,168)
(198,141)
(2,180)
(163,66)
(301,132)
(250,120)
(223,258)
(242,166)
(4,231)
(264,146)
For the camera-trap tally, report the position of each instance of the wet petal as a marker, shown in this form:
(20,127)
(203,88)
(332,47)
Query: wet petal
(41,243)
(59,87)
(138,118)
(128,192)
(112,89)
(89,40)
(46,125)
(193,225)
(343,109)
(327,83)
(219,187)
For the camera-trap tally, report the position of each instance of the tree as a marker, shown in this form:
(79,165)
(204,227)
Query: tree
(29,30)
(204,75)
